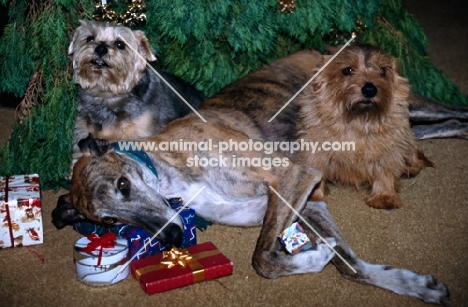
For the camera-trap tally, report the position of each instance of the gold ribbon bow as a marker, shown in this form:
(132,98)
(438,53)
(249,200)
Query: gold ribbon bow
(176,257)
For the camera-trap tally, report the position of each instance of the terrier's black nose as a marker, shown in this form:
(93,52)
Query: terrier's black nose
(101,50)
(369,90)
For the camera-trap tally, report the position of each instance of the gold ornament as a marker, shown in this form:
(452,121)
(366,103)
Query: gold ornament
(287,5)
(133,16)
(336,37)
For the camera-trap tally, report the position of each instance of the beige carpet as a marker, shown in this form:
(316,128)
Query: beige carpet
(428,235)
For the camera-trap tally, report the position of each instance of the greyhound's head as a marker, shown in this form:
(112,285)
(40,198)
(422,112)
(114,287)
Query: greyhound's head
(111,187)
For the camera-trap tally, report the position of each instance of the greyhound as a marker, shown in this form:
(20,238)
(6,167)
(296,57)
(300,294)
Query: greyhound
(110,186)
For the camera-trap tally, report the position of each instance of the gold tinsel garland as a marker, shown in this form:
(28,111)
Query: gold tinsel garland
(287,5)
(133,16)
(336,37)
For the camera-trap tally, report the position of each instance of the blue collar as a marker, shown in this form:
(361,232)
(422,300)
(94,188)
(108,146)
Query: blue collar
(138,155)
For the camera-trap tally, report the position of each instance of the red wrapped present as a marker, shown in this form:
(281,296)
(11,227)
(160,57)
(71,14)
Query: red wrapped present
(180,267)
(20,211)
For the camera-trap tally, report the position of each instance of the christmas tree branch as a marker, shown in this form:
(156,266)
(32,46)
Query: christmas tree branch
(29,101)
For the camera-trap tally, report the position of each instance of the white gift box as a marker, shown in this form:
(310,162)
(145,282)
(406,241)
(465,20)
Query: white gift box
(20,211)
(98,263)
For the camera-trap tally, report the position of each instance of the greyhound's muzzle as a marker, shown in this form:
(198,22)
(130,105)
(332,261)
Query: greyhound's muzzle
(172,234)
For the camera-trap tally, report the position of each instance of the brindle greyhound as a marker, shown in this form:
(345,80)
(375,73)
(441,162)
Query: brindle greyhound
(110,186)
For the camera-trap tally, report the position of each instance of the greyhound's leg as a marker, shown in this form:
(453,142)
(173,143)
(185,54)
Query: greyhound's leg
(433,120)
(401,281)
(449,129)
(268,260)
(426,111)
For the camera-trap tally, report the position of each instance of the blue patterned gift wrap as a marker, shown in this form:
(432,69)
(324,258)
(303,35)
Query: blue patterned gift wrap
(137,237)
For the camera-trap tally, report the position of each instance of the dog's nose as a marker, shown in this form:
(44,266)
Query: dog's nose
(101,50)
(369,90)
(173,235)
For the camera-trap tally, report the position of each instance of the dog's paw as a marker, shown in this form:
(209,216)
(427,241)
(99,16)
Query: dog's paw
(384,202)
(416,164)
(314,260)
(93,145)
(326,242)
(405,282)
(321,255)
(65,214)
(438,293)
(325,247)
(273,265)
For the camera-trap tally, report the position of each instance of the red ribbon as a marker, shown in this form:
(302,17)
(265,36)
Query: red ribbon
(8,217)
(107,240)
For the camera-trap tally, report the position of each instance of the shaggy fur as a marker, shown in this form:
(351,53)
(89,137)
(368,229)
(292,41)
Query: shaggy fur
(360,97)
(334,108)
(118,96)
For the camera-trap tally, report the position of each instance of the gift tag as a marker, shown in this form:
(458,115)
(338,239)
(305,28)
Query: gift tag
(294,239)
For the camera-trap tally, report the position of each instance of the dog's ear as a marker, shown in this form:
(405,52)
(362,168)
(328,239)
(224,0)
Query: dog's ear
(144,46)
(395,65)
(324,59)
(71,47)
(93,146)
(330,50)
(65,214)
(318,81)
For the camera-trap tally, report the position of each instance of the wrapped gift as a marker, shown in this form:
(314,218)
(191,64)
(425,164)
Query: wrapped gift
(137,237)
(180,267)
(20,211)
(294,239)
(99,259)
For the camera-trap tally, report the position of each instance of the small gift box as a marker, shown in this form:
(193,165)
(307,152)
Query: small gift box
(20,211)
(98,259)
(294,239)
(180,267)
(138,237)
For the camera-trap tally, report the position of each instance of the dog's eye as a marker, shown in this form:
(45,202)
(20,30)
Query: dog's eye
(120,45)
(123,184)
(348,71)
(89,39)
(383,71)
(109,220)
